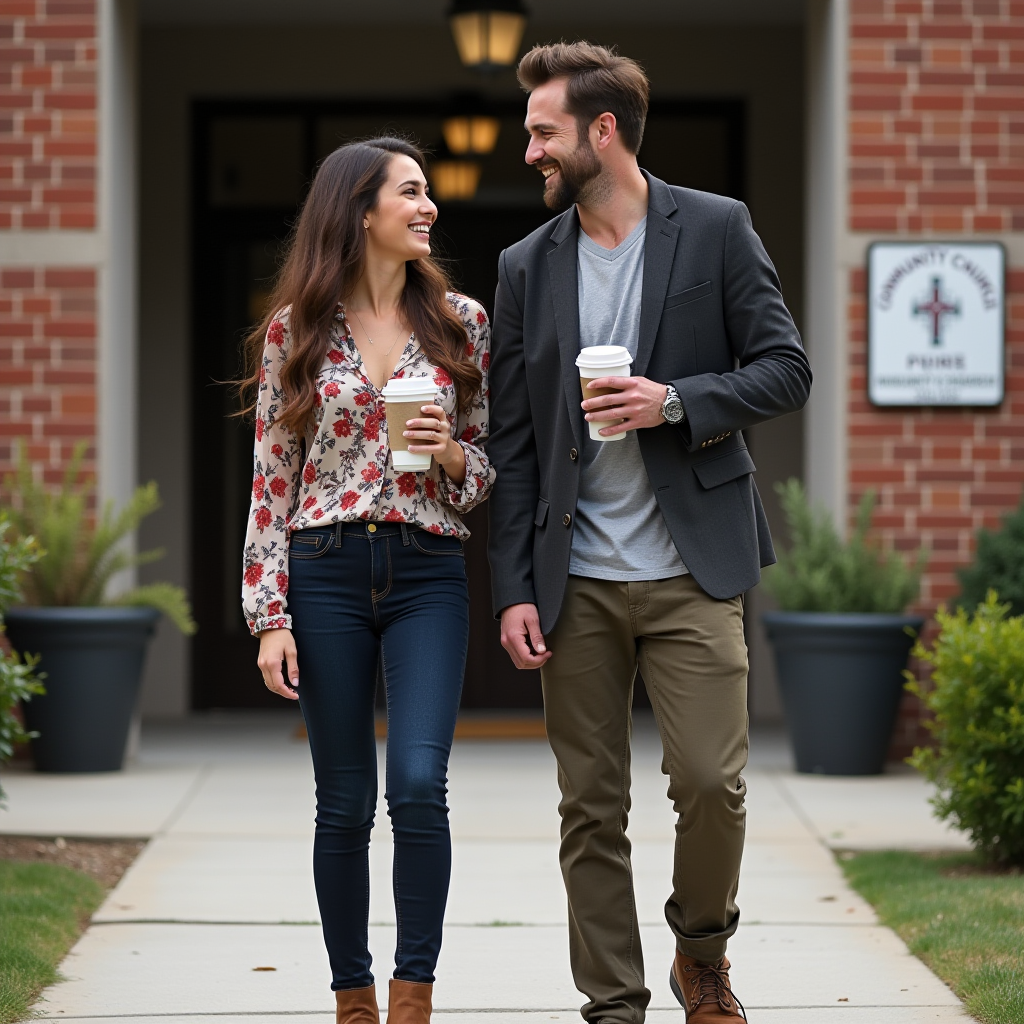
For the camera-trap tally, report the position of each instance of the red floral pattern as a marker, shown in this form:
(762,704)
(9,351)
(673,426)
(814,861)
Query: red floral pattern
(346,474)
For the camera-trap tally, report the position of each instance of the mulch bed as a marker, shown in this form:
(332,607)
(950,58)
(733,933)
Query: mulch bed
(104,860)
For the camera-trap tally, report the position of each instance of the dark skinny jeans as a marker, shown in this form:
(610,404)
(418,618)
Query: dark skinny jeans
(399,593)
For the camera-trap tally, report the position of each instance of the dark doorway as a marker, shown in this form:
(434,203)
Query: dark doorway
(252,163)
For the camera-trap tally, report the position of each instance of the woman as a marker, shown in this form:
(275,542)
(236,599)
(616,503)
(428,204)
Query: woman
(348,562)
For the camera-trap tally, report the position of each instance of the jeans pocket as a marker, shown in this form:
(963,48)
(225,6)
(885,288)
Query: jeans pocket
(310,543)
(435,544)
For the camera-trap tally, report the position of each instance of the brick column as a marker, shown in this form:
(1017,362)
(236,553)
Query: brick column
(936,149)
(48,218)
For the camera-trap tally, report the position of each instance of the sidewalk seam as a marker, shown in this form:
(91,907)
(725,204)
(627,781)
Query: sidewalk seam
(197,783)
(795,807)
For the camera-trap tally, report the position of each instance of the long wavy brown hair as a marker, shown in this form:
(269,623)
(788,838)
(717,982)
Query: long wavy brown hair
(325,258)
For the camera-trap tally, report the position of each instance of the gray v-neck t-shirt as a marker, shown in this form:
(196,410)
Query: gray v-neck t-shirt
(620,532)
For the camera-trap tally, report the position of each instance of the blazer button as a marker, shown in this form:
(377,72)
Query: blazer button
(567,519)
(573,454)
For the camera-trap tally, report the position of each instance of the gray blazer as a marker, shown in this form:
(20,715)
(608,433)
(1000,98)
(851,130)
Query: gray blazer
(713,323)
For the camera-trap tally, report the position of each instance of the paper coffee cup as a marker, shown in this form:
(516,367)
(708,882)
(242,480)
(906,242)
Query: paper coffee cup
(404,398)
(602,361)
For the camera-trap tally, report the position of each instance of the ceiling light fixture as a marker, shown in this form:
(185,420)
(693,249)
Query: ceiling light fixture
(487,32)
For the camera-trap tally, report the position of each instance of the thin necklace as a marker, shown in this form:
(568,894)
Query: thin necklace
(371,341)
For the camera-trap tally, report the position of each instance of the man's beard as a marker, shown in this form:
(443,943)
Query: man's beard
(577,175)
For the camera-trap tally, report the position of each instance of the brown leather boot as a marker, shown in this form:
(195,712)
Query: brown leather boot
(703,991)
(409,1002)
(357,1006)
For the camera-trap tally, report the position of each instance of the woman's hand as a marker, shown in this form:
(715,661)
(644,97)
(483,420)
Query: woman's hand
(436,434)
(277,646)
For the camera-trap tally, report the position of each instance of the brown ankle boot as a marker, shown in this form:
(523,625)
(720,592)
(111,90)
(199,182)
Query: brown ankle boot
(703,991)
(409,1002)
(357,1006)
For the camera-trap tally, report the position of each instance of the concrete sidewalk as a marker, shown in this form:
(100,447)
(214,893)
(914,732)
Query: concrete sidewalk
(225,886)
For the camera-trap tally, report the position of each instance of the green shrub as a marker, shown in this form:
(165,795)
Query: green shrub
(82,552)
(17,682)
(998,565)
(821,573)
(977,698)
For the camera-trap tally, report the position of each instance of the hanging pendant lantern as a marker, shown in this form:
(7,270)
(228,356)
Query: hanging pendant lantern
(487,32)
(475,134)
(454,180)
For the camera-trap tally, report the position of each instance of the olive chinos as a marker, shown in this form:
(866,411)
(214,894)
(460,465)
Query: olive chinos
(690,649)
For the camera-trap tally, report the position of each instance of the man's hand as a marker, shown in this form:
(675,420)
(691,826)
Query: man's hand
(637,403)
(521,636)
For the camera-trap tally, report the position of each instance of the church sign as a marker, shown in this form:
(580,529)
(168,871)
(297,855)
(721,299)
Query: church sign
(935,323)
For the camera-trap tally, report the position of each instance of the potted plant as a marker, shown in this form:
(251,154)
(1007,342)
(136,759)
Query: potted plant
(18,683)
(90,646)
(841,639)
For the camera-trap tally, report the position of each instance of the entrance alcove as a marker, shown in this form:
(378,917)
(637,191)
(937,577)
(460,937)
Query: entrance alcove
(237,104)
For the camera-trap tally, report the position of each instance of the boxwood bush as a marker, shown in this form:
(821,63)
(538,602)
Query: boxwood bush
(998,565)
(976,694)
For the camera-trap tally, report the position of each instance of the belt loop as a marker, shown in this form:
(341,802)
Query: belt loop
(338,528)
(405,535)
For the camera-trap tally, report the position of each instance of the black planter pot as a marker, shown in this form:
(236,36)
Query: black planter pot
(841,677)
(93,661)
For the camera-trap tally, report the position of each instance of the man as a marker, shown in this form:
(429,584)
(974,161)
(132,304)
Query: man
(609,556)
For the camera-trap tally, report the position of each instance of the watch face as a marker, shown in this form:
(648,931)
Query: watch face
(673,411)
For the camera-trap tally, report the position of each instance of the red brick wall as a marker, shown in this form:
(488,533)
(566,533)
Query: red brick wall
(48,172)
(48,135)
(47,363)
(936,146)
(937,115)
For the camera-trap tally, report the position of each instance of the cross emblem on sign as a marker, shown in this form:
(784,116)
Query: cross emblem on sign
(936,307)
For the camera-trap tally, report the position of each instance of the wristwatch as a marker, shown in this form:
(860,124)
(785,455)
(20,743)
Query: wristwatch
(672,407)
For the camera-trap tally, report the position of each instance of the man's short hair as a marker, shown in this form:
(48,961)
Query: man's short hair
(598,81)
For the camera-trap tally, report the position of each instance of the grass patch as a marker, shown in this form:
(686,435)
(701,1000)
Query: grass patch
(44,908)
(964,920)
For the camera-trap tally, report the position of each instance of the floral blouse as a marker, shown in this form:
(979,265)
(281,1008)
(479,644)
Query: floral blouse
(341,471)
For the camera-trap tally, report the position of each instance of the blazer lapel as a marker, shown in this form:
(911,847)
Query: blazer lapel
(659,252)
(562,270)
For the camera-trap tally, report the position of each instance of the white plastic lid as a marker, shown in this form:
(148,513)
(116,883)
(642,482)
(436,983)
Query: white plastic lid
(409,387)
(597,357)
